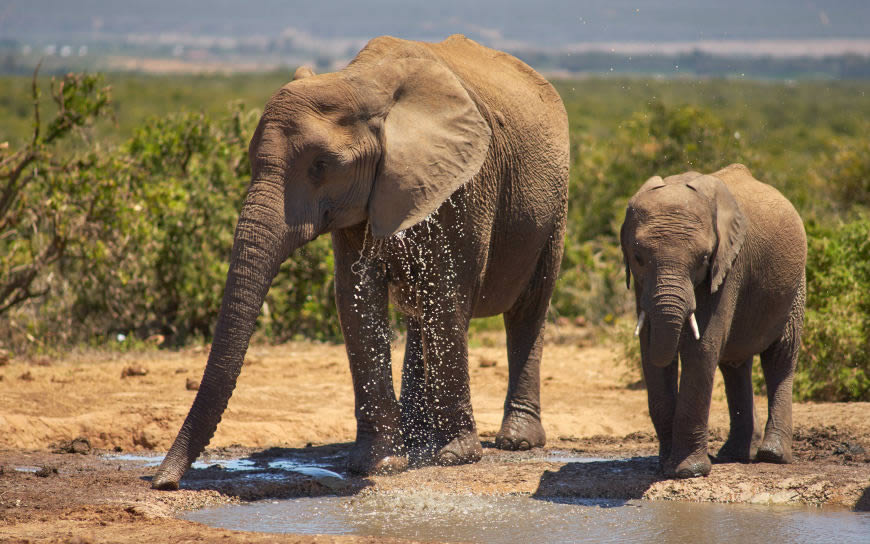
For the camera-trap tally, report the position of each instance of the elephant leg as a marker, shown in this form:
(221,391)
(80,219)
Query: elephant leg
(689,456)
(521,427)
(745,434)
(778,363)
(454,439)
(661,387)
(362,304)
(416,416)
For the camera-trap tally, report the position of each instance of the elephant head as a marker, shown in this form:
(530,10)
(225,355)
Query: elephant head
(679,234)
(386,140)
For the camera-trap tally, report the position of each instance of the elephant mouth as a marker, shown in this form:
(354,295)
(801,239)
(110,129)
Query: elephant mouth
(693,324)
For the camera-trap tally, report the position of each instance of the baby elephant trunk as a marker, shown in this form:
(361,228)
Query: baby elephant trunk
(670,312)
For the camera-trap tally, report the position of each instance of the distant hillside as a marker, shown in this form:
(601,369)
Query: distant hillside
(543,23)
(744,38)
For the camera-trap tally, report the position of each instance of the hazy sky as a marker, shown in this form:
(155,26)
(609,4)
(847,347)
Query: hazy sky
(541,22)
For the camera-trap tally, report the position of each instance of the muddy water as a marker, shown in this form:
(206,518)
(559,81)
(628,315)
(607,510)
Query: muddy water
(473,518)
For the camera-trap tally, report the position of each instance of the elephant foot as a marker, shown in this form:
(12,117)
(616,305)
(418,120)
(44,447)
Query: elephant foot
(376,457)
(462,450)
(737,451)
(775,449)
(692,466)
(419,442)
(520,431)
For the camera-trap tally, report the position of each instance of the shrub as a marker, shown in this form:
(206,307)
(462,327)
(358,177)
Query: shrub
(850,173)
(834,362)
(51,204)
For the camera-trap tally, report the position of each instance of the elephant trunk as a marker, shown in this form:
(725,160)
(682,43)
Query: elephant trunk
(671,308)
(261,243)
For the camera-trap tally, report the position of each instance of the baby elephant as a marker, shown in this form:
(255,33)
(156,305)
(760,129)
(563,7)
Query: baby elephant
(718,262)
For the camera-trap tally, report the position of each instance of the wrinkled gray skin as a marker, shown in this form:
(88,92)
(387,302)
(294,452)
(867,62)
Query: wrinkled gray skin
(441,172)
(731,250)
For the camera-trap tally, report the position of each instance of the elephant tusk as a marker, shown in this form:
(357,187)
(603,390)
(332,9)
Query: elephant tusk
(640,320)
(694,324)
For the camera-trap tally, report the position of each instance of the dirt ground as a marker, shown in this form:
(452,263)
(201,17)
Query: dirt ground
(296,400)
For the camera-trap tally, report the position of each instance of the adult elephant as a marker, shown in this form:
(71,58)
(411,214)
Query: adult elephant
(441,171)
(724,254)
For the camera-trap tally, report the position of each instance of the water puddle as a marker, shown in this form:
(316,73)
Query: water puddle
(485,519)
(269,468)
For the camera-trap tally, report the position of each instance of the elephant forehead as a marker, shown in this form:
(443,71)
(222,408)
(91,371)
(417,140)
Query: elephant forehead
(672,195)
(288,137)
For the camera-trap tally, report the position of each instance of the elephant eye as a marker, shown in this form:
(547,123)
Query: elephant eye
(317,170)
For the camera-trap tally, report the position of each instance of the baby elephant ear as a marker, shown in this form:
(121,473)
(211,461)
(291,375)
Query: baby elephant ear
(730,226)
(654,182)
(434,141)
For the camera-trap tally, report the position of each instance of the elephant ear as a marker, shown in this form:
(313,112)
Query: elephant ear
(625,254)
(730,224)
(302,72)
(434,140)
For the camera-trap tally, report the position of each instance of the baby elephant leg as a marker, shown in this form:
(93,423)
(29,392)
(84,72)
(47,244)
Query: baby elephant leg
(745,434)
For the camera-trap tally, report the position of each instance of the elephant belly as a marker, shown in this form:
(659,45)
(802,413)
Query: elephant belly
(755,328)
(405,300)
(510,274)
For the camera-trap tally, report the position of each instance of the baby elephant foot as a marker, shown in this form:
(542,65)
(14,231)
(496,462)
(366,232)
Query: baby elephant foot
(692,466)
(775,449)
(520,431)
(462,450)
(664,456)
(377,456)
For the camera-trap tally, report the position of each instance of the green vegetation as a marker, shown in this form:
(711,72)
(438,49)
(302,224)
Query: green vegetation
(148,196)
(835,356)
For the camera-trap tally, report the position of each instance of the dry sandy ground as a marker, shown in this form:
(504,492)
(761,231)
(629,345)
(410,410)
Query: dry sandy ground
(296,399)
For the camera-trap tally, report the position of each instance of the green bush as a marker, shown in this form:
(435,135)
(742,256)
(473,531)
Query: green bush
(834,362)
(850,173)
(301,302)
(185,176)
(50,201)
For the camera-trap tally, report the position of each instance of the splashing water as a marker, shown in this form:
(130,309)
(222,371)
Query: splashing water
(422,263)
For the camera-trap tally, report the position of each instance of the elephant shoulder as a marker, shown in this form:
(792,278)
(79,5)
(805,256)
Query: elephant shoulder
(384,47)
(507,83)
